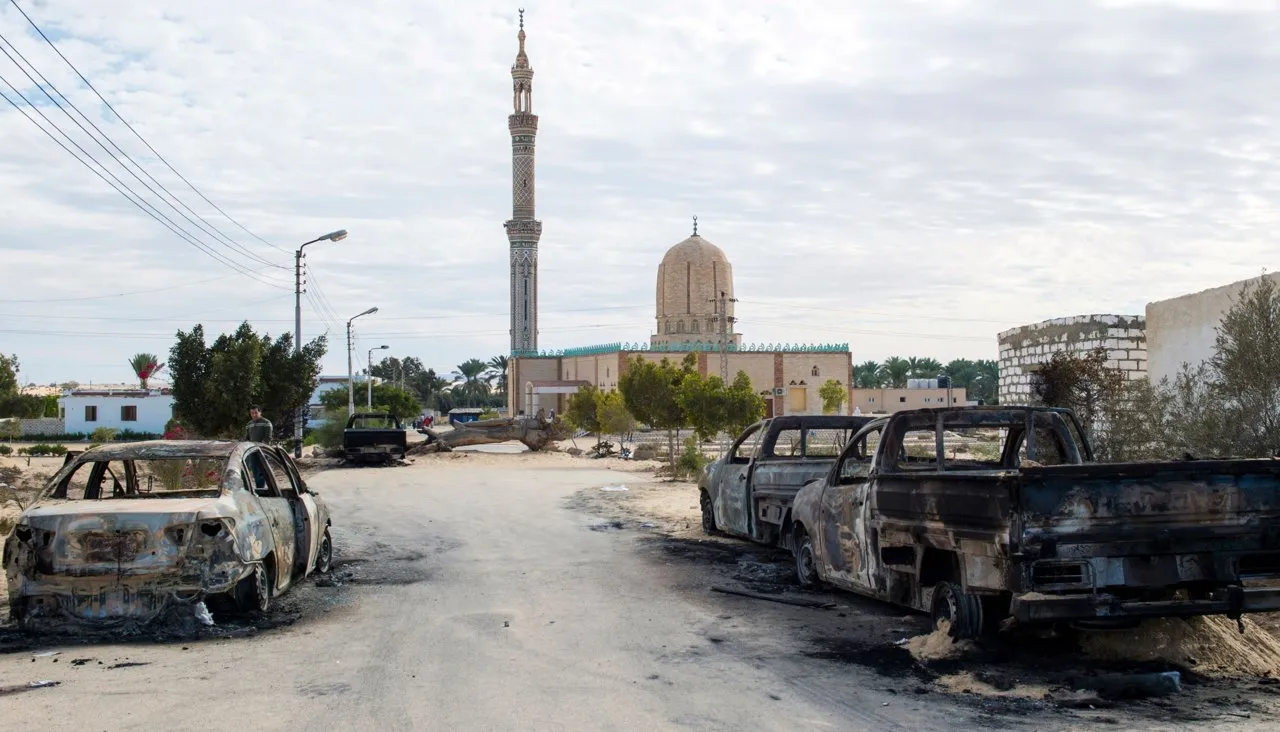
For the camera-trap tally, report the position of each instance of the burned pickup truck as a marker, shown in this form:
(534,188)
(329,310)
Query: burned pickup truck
(374,437)
(125,532)
(748,491)
(976,514)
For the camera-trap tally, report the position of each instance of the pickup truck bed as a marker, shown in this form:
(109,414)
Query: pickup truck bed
(374,437)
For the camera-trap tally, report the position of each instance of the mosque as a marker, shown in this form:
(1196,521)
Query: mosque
(694,309)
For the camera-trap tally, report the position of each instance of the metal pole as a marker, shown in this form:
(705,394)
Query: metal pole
(369,379)
(351,384)
(297,343)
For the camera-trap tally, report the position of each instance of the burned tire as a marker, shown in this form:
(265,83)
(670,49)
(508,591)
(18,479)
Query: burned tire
(708,513)
(253,593)
(324,556)
(961,611)
(806,569)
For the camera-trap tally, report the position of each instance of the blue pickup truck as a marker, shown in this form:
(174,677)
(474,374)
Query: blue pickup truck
(980,513)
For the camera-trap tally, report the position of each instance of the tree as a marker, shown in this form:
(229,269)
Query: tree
(833,395)
(744,407)
(704,401)
(924,368)
(894,372)
(145,365)
(387,397)
(498,372)
(1083,384)
(867,375)
(8,375)
(214,385)
(473,391)
(985,386)
(581,411)
(650,392)
(613,416)
(1245,368)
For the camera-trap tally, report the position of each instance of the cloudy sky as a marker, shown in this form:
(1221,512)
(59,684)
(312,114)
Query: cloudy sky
(907,177)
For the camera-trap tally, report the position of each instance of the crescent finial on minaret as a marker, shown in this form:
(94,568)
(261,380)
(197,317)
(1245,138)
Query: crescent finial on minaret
(695,225)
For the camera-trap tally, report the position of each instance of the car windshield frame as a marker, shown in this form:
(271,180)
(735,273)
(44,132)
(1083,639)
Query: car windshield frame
(114,477)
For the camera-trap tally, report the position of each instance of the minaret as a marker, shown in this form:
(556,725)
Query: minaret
(523,230)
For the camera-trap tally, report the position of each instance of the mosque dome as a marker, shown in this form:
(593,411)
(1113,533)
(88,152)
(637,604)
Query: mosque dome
(691,279)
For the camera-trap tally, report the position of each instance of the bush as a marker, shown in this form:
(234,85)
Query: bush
(691,461)
(6,450)
(131,436)
(104,434)
(64,437)
(489,414)
(647,451)
(45,450)
(329,434)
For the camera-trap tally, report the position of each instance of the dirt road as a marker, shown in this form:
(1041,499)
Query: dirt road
(500,593)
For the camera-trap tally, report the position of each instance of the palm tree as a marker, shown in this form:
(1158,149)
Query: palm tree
(431,388)
(894,372)
(867,375)
(498,372)
(472,388)
(145,365)
(986,383)
(923,368)
(961,371)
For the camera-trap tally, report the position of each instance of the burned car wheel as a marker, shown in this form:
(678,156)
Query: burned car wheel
(806,571)
(254,592)
(708,513)
(324,557)
(961,611)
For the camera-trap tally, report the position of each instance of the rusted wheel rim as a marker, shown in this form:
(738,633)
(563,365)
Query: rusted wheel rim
(805,561)
(263,584)
(324,558)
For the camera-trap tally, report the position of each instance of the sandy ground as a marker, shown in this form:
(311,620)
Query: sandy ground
(496,590)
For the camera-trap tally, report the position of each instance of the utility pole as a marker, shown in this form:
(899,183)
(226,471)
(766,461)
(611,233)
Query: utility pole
(338,235)
(724,323)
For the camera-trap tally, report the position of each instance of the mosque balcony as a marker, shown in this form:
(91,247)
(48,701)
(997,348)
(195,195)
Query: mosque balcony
(683,347)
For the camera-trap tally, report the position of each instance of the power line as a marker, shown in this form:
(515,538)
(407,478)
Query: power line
(859,311)
(118,294)
(215,233)
(137,134)
(119,186)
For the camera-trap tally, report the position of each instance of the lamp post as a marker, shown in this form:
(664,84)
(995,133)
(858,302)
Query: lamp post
(369,360)
(338,235)
(351,384)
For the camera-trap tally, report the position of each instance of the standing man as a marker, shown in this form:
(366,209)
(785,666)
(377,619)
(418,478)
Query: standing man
(259,428)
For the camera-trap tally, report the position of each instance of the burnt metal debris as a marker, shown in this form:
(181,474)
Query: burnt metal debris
(124,532)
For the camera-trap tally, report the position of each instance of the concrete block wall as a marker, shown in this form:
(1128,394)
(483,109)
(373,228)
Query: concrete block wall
(46,426)
(1123,337)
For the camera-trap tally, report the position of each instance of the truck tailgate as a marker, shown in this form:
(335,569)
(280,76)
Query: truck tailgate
(1153,508)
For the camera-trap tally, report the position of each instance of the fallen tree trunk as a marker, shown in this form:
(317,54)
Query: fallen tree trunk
(534,433)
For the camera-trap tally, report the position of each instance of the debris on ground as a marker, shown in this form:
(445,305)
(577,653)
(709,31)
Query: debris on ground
(202,614)
(1212,645)
(798,602)
(29,686)
(613,488)
(1132,686)
(938,645)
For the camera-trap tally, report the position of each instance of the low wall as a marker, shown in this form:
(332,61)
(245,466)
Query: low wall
(1021,349)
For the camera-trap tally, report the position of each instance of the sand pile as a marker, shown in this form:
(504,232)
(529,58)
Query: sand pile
(938,645)
(1210,645)
(967,682)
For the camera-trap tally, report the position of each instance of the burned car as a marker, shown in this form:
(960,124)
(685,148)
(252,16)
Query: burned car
(124,532)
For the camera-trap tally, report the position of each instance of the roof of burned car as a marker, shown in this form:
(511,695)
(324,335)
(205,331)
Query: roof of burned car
(161,449)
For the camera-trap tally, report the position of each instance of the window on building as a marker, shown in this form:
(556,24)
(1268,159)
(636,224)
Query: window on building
(697,327)
(679,326)
(129,413)
(606,372)
(666,327)
(797,400)
(90,413)
(711,326)
(816,372)
(903,400)
(871,400)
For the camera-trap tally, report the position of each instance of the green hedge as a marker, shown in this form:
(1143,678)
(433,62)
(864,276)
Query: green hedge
(121,436)
(42,450)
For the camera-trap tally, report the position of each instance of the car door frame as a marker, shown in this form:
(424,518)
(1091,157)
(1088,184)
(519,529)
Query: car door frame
(843,512)
(310,512)
(733,509)
(277,510)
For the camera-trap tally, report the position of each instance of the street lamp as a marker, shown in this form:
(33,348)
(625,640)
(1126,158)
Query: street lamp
(351,384)
(338,235)
(369,360)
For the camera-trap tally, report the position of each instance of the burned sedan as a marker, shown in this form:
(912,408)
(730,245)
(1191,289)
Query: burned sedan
(123,532)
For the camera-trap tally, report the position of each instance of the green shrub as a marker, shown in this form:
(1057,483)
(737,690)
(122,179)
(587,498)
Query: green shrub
(329,434)
(131,436)
(6,450)
(691,461)
(45,450)
(104,434)
(310,439)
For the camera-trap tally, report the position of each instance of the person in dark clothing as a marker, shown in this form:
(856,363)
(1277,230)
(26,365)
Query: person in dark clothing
(259,428)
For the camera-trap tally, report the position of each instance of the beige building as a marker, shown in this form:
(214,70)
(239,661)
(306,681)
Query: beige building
(1184,329)
(693,313)
(889,401)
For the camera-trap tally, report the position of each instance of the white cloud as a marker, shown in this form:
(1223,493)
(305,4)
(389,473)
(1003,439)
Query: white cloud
(909,177)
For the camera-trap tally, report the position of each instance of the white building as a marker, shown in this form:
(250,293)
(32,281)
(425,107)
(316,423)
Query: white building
(85,410)
(1185,329)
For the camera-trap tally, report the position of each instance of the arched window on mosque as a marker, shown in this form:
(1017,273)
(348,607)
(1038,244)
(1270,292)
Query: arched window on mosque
(815,371)
(711,325)
(679,326)
(667,327)
(696,326)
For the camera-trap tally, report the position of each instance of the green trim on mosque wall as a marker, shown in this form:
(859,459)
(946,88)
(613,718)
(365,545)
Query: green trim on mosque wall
(686,347)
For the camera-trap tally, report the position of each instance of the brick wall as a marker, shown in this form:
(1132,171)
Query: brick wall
(46,426)
(1123,337)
